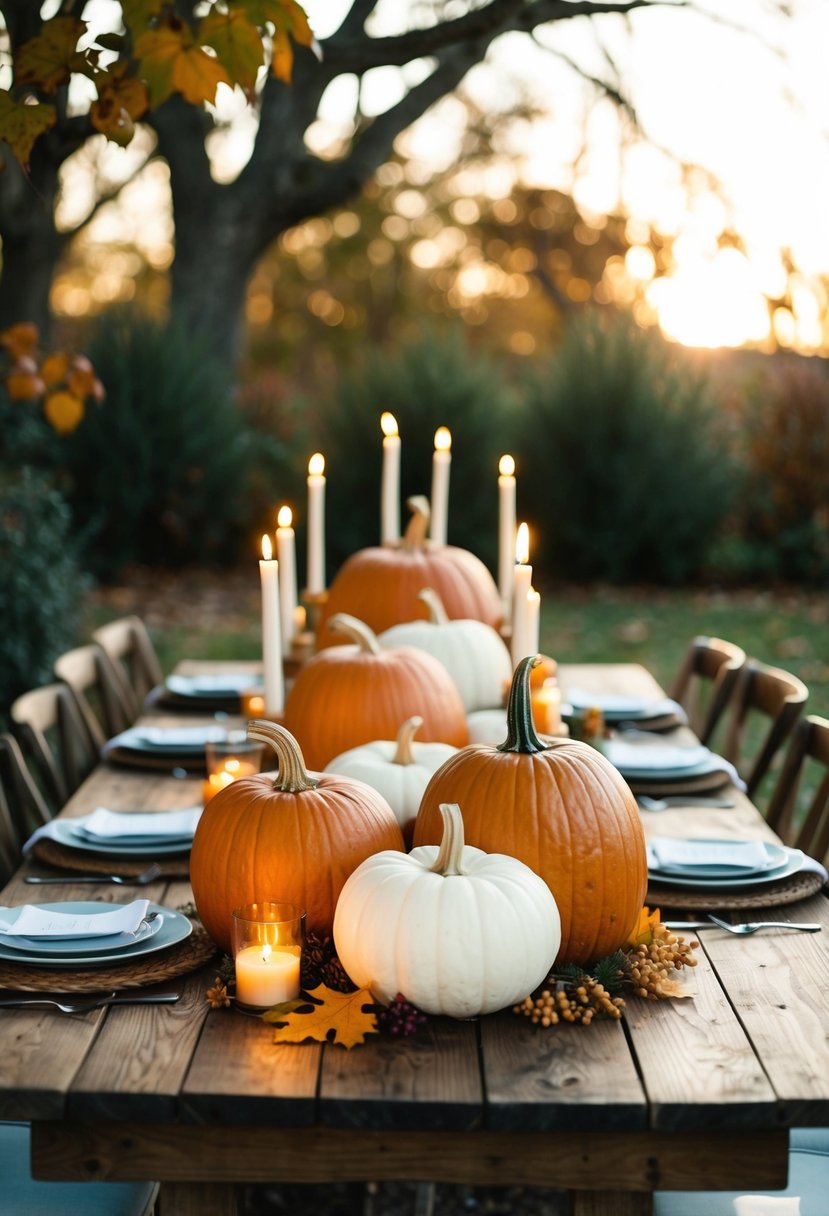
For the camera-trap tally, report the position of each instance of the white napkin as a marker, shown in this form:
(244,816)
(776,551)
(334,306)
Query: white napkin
(675,853)
(179,736)
(654,755)
(34,921)
(230,682)
(106,825)
(767,1205)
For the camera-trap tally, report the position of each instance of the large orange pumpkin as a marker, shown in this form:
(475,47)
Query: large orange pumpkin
(291,836)
(349,695)
(380,585)
(561,808)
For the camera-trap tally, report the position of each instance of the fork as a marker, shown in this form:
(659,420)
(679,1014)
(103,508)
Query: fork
(748,927)
(101,1002)
(149,875)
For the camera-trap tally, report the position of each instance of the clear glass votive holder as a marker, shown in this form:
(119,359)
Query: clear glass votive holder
(267,939)
(253,702)
(229,759)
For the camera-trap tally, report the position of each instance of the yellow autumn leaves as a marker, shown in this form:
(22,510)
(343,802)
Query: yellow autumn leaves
(64,382)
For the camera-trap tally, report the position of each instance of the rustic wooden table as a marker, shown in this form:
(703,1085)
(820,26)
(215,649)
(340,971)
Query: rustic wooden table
(685,1094)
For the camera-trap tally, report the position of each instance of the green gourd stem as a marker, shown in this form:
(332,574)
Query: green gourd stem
(292,777)
(358,631)
(450,853)
(417,527)
(407,732)
(521,736)
(437,613)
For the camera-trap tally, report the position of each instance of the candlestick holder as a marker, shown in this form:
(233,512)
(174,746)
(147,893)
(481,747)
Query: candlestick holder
(315,601)
(267,939)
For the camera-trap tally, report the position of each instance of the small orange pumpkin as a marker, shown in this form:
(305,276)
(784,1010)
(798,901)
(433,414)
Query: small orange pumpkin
(380,585)
(560,807)
(293,836)
(349,695)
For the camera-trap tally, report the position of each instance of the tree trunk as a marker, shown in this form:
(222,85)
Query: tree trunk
(31,244)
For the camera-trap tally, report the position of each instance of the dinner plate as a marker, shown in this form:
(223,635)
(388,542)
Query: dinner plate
(776,858)
(793,863)
(65,832)
(655,757)
(174,928)
(223,684)
(172,739)
(616,707)
(78,946)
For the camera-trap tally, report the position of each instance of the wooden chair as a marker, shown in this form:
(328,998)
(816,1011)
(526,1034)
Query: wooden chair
(805,772)
(128,645)
(705,682)
(98,691)
(762,693)
(9,847)
(54,740)
(27,808)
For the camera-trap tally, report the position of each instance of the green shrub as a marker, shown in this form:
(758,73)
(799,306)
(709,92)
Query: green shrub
(159,472)
(623,460)
(432,381)
(41,585)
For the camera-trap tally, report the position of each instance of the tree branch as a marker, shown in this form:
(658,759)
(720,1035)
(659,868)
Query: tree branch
(104,197)
(353,23)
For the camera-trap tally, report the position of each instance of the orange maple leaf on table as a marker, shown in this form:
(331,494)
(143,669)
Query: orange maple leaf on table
(47,61)
(171,62)
(333,1017)
(21,124)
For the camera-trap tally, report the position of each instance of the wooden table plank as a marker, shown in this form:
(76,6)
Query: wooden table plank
(644,1161)
(567,1077)
(430,1080)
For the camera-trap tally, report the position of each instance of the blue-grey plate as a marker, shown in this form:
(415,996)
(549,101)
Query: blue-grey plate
(77,946)
(223,684)
(776,858)
(792,865)
(174,928)
(66,832)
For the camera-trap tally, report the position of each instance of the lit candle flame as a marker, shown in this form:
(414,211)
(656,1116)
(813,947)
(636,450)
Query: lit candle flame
(443,439)
(522,544)
(316,465)
(388,423)
(266,952)
(506,466)
(284,517)
(267,548)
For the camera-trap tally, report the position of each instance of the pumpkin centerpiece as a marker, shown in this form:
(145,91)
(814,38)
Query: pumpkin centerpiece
(380,584)
(472,652)
(292,835)
(562,808)
(349,695)
(399,769)
(457,931)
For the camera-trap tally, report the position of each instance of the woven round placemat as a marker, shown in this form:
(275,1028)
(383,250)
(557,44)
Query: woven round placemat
(52,853)
(178,960)
(776,894)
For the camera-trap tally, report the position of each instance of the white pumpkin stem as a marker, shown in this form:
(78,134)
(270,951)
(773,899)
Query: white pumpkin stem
(407,732)
(417,527)
(358,631)
(292,777)
(437,613)
(450,853)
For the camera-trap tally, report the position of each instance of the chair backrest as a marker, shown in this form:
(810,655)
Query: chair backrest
(129,647)
(98,691)
(799,806)
(54,739)
(28,809)
(9,848)
(706,681)
(764,695)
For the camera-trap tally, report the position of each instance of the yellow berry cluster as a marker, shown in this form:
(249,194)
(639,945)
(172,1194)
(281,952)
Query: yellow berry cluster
(571,1003)
(650,965)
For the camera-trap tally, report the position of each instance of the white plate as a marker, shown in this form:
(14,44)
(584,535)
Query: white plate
(174,739)
(792,865)
(66,832)
(77,946)
(776,858)
(174,928)
(223,684)
(657,756)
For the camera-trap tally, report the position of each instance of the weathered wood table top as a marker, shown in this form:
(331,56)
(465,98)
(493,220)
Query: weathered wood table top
(683,1094)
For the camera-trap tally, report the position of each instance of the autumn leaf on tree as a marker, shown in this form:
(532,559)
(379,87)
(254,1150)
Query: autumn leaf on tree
(170,62)
(21,124)
(238,46)
(139,13)
(121,100)
(47,61)
(333,1017)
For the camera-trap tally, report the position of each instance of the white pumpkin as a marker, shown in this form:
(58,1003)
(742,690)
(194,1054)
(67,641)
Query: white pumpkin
(487,726)
(398,769)
(457,931)
(474,654)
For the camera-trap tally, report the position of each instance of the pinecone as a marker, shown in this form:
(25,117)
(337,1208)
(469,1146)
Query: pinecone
(320,965)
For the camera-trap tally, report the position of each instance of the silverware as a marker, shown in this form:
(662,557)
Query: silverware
(664,804)
(149,875)
(741,930)
(99,1002)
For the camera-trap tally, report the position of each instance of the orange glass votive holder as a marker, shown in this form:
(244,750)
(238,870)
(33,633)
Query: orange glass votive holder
(227,760)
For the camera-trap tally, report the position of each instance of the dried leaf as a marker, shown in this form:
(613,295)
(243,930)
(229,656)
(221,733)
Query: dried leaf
(121,100)
(333,1017)
(64,411)
(238,46)
(282,60)
(54,368)
(46,61)
(21,124)
(642,934)
(676,989)
(171,62)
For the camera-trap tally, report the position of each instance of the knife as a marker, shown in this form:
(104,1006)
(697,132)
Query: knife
(74,1002)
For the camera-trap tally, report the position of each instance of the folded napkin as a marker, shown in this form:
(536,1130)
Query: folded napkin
(227,684)
(653,755)
(620,706)
(33,921)
(675,853)
(767,1205)
(176,736)
(106,825)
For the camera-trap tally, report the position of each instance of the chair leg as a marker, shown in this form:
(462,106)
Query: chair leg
(199,1199)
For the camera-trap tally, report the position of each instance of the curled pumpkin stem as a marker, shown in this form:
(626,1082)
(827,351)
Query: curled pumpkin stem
(450,853)
(521,733)
(437,612)
(358,631)
(417,527)
(407,732)
(292,777)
